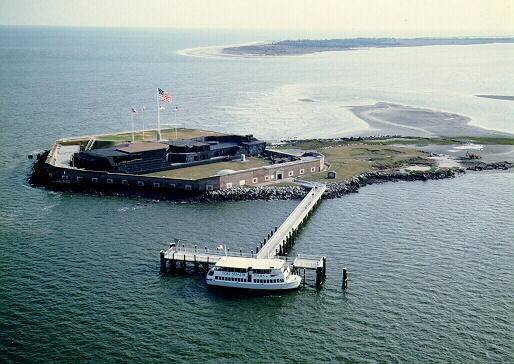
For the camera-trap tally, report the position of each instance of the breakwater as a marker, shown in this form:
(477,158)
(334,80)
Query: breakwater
(334,189)
(292,192)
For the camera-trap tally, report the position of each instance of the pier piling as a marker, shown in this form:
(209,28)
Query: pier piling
(276,244)
(163,261)
(345,278)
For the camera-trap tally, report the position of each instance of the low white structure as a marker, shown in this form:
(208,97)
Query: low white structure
(253,273)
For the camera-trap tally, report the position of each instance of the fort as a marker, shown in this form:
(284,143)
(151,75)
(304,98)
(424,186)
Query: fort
(184,160)
(200,165)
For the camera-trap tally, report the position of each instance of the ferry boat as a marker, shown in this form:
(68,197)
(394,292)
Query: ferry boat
(253,273)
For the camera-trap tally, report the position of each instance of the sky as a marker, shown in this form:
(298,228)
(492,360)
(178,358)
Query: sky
(345,17)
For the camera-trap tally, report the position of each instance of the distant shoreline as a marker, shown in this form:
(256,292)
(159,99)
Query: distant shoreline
(497,97)
(308,46)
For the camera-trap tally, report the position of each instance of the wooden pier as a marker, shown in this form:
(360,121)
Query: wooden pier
(274,246)
(280,240)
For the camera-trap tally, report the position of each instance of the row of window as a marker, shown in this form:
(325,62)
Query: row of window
(235,279)
(267,178)
(125,182)
(232,279)
(278,280)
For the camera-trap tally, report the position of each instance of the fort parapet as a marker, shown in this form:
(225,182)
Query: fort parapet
(206,162)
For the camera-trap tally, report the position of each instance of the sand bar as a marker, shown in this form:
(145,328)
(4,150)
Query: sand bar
(396,119)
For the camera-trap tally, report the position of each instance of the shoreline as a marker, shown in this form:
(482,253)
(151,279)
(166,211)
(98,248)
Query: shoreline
(391,118)
(334,189)
(316,46)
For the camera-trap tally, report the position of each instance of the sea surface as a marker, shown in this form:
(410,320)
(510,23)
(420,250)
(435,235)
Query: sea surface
(431,263)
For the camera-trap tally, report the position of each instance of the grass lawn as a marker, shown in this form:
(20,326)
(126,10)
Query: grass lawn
(207,170)
(353,159)
(182,133)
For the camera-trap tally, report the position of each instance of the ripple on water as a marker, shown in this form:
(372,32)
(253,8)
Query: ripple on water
(431,270)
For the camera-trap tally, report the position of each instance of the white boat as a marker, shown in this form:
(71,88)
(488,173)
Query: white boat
(253,273)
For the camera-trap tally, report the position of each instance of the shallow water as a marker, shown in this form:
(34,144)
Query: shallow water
(431,264)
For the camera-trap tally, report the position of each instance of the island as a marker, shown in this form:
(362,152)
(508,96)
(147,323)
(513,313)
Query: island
(308,46)
(210,166)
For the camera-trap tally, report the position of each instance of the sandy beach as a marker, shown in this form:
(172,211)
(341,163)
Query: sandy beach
(215,51)
(412,121)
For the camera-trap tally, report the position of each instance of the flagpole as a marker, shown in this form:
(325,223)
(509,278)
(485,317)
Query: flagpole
(176,134)
(132,127)
(158,119)
(143,120)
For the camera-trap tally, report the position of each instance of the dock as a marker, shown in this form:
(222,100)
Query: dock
(274,246)
(279,241)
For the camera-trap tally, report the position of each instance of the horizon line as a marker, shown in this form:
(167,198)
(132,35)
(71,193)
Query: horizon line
(460,35)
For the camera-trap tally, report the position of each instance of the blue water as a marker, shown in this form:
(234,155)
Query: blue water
(431,263)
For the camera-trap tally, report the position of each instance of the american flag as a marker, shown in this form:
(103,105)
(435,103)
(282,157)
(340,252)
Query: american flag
(164,96)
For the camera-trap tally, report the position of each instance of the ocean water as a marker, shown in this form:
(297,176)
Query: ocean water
(431,263)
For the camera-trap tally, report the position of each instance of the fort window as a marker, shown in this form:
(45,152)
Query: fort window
(140,183)
(94,179)
(208,187)
(156,184)
(228,185)
(109,181)
(290,173)
(254,180)
(313,169)
(242,182)
(79,178)
(172,185)
(266,178)
(302,171)
(124,182)
(188,188)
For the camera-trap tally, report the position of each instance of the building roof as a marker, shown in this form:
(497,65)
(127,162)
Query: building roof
(187,143)
(140,147)
(240,262)
(104,152)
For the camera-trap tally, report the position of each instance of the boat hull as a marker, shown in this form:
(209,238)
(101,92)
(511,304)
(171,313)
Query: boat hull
(282,286)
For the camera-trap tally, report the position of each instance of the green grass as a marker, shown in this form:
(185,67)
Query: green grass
(490,140)
(353,159)
(207,170)
(317,144)
(181,133)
